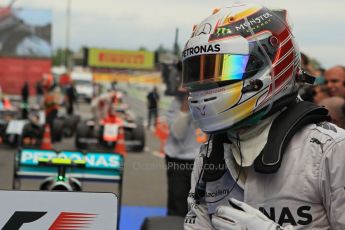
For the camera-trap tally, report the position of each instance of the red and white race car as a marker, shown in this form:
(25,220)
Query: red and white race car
(104,133)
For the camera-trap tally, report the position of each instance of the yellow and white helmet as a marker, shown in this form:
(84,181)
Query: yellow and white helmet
(238,62)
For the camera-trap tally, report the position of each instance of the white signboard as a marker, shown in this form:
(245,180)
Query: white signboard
(15,127)
(42,117)
(110,132)
(32,210)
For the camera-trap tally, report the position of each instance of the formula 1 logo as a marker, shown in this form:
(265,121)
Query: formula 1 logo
(65,220)
(20,218)
(72,220)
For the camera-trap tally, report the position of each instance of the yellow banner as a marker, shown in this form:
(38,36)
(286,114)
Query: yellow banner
(121,59)
(153,78)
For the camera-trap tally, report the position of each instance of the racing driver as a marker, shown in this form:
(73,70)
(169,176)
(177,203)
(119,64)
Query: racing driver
(272,160)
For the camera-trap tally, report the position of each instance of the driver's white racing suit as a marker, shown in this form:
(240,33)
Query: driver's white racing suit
(307,192)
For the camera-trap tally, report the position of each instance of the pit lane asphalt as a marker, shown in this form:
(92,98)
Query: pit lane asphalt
(144,173)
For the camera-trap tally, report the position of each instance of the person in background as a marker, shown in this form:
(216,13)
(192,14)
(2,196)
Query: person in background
(319,74)
(25,100)
(101,105)
(320,93)
(51,100)
(175,77)
(335,81)
(165,70)
(39,93)
(152,106)
(70,98)
(336,108)
(113,85)
(182,146)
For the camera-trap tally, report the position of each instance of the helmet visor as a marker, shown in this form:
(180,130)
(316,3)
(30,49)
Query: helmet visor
(211,68)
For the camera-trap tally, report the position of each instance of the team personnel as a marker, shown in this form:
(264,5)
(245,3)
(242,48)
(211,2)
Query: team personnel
(272,161)
(70,98)
(25,92)
(51,100)
(182,146)
(152,106)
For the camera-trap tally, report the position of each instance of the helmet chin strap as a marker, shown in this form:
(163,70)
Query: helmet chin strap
(252,140)
(254,119)
(247,123)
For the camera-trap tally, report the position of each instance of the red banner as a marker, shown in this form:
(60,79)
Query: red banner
(15,71)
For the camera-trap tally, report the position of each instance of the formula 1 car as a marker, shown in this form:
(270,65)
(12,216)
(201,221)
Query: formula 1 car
(63,126)
(70,123)
(32,130)
(105,133)
(16,131)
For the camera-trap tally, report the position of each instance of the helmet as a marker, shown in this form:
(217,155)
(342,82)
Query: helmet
(237,62)
(119,97)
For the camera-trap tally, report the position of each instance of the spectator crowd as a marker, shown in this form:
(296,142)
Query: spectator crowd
(328,89)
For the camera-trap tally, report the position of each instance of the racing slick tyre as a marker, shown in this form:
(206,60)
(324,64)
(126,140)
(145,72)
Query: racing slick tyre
(58,129)
(32,135)
(70,125)
(139,135)
(3,127)
(12,140)
(82,131)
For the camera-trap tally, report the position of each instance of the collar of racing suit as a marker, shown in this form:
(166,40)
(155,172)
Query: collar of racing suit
(247,144)
(224,148)
(265,143)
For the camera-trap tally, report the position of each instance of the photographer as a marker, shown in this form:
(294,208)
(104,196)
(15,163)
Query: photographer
(181,148)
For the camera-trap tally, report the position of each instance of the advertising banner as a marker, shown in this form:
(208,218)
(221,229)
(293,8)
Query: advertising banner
(14,71)
(25,32)
(34,210)
(145,78)
(125,59)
